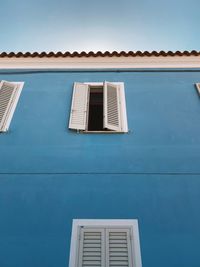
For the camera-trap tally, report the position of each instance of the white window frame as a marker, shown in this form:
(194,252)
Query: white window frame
(132,224)
(13,104)
(123,113)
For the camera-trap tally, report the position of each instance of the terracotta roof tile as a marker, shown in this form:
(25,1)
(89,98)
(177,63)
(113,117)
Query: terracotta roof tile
(99,54)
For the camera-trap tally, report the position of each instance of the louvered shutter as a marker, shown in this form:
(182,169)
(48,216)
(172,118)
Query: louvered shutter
(112,116)
(79,107)
(92,245)
(118,248)
(7,96)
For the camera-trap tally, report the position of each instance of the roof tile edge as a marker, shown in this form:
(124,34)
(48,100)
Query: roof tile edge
(98,54)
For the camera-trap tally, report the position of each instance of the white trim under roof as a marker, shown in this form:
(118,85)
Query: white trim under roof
(101,62)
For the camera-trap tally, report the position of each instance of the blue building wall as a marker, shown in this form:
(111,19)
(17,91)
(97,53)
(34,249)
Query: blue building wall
(50,175)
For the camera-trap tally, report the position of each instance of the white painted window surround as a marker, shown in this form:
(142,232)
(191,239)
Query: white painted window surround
(9,96)
(114,106)
(105,243)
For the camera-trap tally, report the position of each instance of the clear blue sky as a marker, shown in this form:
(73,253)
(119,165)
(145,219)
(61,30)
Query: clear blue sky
(76,25)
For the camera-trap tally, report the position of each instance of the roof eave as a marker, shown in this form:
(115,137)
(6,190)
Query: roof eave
(99,60)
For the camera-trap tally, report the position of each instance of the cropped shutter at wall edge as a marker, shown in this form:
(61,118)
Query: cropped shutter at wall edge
(198,87)
(8,93)
(118,248)
(79,106)
(111,106)
(92,247)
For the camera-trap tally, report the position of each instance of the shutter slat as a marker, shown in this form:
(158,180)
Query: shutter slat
(119,258)
(112,116)
(116,249)
(89,259)
(119,253)
(116,245)
(92,249)
(92,253)
(88,245)
(79,106)
(117,241)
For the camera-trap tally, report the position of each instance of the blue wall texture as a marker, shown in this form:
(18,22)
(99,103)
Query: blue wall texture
(50,175)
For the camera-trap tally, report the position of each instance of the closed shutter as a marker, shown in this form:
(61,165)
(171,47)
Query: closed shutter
(7,96)
(118,248)
(112,120)
(79,107)
(92,245)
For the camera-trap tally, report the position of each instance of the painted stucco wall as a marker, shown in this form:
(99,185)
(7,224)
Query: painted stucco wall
(50,175)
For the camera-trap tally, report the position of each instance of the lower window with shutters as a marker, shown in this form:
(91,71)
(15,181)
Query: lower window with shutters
(98,107)
(105,243)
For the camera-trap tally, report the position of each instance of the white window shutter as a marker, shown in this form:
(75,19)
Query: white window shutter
(198,88)
(8,93)
(92,247)
(112,113)
(79,107)
(118,248)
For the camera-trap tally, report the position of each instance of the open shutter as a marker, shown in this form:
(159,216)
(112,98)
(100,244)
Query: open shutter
(78,116)
(118,247)
(7,96)
(112,120)
(92,247)
(198,88)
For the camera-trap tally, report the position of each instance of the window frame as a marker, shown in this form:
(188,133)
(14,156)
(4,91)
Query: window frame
(123,112)
(12,105)
(132,224)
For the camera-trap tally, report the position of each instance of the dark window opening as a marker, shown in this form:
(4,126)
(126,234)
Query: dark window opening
(95,118)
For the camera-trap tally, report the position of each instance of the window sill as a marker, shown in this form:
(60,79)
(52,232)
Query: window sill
(101,132)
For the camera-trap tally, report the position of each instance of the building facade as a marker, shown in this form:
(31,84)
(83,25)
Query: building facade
(51,175)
